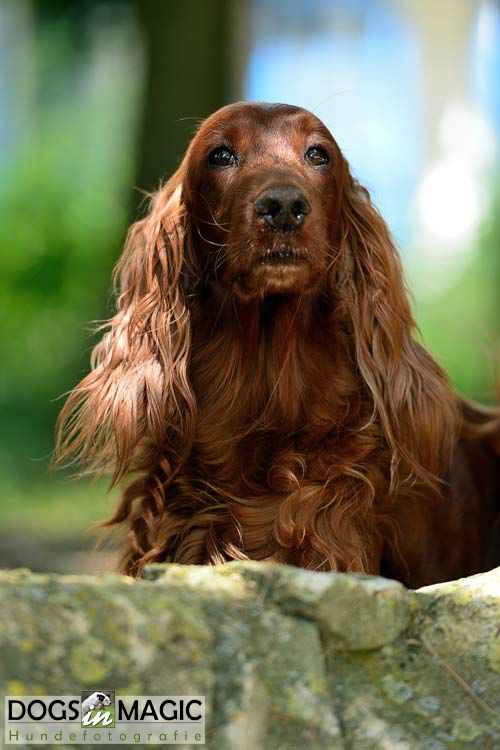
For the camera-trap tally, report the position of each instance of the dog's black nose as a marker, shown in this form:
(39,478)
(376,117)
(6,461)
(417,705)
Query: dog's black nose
(283,207)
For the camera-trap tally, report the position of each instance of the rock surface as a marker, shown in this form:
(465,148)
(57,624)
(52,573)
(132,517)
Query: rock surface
(287,659)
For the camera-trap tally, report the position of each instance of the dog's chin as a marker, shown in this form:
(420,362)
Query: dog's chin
(285,271)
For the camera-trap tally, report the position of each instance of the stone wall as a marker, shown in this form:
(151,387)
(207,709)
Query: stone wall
(287,659)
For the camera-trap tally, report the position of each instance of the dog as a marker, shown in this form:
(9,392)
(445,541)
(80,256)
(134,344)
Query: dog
(263,381)
(96,700)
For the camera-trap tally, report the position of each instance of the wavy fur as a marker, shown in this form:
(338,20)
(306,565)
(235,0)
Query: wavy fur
(302,422)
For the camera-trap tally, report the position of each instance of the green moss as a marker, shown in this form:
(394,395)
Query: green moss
(15,687)
(396,690)
(494,651)
(26,646)
(88,662)
(466,730)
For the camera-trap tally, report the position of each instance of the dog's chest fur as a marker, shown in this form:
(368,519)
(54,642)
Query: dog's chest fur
(282,391)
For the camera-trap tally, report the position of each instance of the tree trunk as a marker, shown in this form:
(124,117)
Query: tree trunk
(188,76)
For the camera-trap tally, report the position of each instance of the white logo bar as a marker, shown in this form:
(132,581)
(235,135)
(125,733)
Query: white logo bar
(124,720)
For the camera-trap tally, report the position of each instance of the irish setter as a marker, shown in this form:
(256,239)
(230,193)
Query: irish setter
(262,379)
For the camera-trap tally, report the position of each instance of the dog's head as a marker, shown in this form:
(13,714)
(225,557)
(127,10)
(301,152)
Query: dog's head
(262,185)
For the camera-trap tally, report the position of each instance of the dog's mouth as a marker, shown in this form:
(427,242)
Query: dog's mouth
(284,256)
(282,268)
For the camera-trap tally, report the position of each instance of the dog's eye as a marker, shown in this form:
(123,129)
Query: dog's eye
(316,156)
(222,156)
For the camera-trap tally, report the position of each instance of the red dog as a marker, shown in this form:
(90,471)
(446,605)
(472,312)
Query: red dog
(262,380)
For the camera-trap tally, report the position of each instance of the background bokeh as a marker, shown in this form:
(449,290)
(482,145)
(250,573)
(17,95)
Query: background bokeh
(98,99)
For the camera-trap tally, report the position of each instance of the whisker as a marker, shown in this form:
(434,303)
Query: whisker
(219,312)
(210,242)
(216,223)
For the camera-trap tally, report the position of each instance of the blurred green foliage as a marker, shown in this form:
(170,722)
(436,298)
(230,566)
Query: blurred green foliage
(53,508)
(461,324)
(64,195)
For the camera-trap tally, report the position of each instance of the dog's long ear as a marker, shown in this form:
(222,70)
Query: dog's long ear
(137,398)
(412,397)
